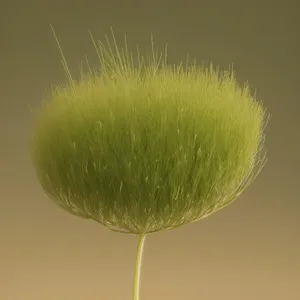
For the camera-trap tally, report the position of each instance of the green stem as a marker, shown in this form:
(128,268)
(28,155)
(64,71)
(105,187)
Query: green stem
(138,265)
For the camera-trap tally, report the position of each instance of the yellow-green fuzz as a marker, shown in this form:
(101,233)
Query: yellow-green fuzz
(142,146)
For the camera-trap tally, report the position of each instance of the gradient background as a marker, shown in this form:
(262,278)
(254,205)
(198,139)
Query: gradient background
(248,251)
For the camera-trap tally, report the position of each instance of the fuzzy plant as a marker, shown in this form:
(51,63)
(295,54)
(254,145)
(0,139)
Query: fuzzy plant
(140,145)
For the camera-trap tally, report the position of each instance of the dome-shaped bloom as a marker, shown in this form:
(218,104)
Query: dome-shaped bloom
(144,146)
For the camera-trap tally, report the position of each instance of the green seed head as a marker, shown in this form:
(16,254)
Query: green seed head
(144,146)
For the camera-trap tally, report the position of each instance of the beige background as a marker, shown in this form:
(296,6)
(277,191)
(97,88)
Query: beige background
(248,251)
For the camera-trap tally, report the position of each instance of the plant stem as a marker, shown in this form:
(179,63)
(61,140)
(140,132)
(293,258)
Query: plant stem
(138,265)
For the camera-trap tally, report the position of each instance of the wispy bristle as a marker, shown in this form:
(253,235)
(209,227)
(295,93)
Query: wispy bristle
(144,146)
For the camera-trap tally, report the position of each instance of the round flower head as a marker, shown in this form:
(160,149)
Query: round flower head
(143,146)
